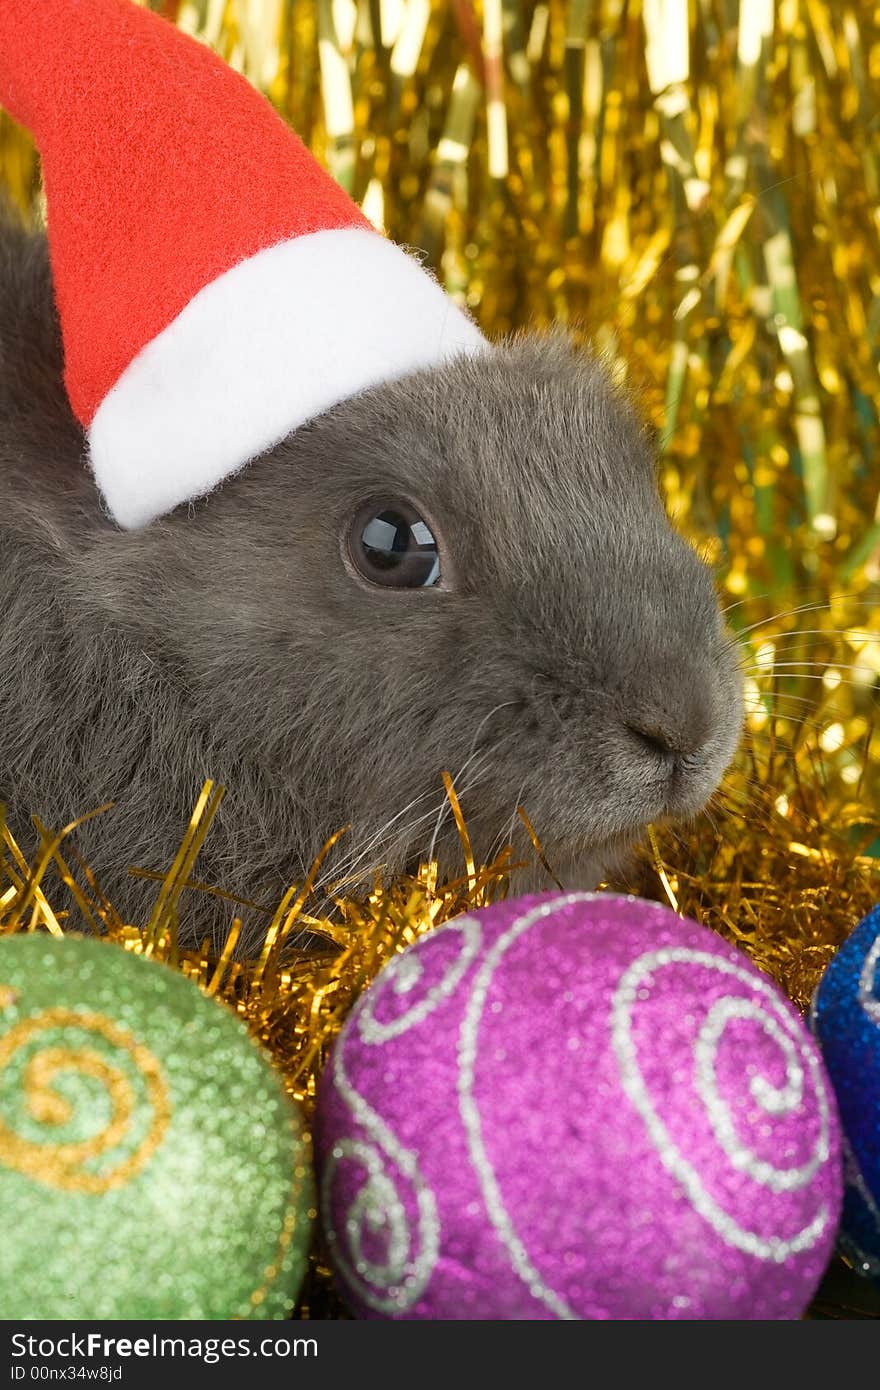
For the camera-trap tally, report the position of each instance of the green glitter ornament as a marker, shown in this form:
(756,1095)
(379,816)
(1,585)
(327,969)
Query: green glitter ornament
(151,1165)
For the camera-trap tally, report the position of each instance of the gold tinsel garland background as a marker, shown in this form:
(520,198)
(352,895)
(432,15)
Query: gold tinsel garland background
(695,185)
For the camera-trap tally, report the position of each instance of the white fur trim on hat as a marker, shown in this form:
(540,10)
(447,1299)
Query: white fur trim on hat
(270,344)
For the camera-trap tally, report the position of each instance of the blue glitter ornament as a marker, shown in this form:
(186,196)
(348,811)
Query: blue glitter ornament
(846,1020)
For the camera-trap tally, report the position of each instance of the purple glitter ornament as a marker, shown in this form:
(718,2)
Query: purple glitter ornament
(577,1106)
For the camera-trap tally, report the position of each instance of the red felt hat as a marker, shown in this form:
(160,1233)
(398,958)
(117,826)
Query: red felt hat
(216,288)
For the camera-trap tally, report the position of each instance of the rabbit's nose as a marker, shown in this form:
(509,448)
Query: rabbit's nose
(670,744)
(657,740)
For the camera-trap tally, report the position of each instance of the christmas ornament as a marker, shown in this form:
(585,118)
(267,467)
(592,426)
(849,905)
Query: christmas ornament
(239,291)
(577,1106)
(151,1165)
(846,1019)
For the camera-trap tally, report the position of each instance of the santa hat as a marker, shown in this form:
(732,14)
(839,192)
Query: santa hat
(216,288)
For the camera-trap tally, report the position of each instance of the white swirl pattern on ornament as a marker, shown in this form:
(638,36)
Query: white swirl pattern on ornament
(400,1280)
(403,974)
(868,983)
(783,1030)
(854,1178)
(470,1114)
(771,1100)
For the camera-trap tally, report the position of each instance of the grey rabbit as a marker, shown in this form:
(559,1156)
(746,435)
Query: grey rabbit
(531,623)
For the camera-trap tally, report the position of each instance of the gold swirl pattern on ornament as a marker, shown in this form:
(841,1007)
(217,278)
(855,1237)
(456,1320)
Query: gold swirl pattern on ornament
(63,1165)
(285,1235)
(273,1269)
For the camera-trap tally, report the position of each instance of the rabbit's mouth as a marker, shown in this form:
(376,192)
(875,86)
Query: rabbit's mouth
(582,869)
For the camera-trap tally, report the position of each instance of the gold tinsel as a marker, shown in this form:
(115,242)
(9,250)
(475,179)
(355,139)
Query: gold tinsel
(695,185)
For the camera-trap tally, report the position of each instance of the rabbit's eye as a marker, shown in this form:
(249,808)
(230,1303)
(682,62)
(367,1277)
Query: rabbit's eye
(392,545)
